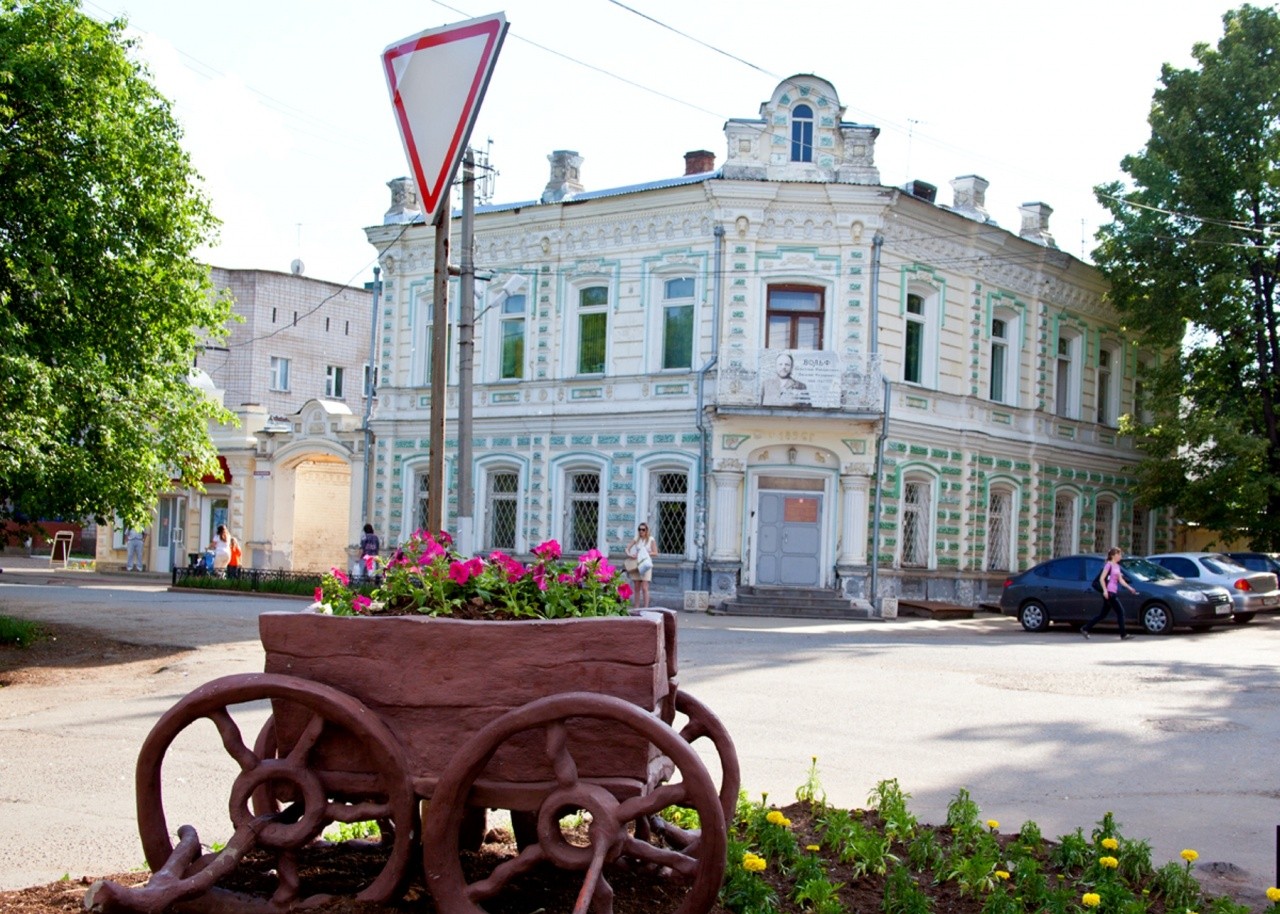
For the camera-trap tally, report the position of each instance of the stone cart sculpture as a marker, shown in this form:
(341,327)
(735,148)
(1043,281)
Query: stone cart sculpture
(423,725)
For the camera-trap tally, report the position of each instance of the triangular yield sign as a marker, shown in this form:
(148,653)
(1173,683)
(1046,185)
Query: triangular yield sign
(437,80)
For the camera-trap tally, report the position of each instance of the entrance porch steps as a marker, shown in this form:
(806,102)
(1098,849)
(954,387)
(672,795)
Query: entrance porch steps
(795,603)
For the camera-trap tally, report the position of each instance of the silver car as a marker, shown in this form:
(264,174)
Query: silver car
(1252,592)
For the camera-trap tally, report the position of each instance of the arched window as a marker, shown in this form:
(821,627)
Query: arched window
(802,134)
(1064,524)
(916,514)
(1000,529)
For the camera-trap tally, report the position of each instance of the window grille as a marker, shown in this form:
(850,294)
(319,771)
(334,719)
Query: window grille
(915,525)
(583,511)
(1063,519)
(671,512)
(999,526)
(1138,545)
(504,510)
(1102,534)
(420,512)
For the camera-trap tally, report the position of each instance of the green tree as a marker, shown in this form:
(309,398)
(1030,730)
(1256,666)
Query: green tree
(102,305)
(1191,255)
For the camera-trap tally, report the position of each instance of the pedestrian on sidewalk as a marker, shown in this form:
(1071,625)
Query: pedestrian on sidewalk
(133,540)
(1110,580)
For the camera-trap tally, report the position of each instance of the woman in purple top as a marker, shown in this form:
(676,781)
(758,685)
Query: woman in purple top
(1111,579)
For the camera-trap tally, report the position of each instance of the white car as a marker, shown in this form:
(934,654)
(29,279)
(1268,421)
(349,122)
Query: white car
(1252,592)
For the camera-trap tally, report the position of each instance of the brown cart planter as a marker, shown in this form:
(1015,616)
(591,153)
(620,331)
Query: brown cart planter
(371,716)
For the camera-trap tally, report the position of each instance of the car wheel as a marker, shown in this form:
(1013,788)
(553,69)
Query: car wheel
(1242,618)
(1033,616)
(1156,619)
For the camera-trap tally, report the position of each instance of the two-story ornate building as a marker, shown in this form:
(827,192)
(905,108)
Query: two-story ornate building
(793,372)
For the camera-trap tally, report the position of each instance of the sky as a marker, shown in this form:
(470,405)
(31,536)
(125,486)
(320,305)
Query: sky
(287,118)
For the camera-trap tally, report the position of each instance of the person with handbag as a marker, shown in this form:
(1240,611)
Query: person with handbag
(1110,580)
(639,564)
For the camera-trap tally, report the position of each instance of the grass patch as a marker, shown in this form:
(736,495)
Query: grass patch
(18,632)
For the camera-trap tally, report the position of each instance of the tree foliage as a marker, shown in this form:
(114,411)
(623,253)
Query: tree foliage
(102,304)
(1191,256)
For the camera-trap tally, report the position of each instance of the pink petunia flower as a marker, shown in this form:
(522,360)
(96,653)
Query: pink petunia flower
(548,551)
(341,576)
(319,594)
(361,603)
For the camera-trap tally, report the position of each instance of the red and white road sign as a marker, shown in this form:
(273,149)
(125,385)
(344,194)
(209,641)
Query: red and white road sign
(437,80)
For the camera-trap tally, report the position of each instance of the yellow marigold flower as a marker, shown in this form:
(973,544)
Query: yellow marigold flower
(777,818)
(1002,874)
(992,824)
(1189,855)
(1110,843)
(752,863)
(1091,899)
(1109,862)
(812,847)
(1273,894)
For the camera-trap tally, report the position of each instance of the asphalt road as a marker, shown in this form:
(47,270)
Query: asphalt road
(1176,735)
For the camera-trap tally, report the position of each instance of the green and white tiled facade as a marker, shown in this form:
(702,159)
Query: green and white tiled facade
(706,354)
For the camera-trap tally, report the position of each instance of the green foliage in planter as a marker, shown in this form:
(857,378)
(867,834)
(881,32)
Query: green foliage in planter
(903,895)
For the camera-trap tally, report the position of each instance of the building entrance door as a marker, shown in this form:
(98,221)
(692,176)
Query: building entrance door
(789,539)
(168,546)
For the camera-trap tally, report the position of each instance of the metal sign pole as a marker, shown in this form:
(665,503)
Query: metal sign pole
(435,518)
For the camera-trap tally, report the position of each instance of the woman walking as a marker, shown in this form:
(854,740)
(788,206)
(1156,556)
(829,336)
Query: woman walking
(1111,578)
(220,546)
(642,549)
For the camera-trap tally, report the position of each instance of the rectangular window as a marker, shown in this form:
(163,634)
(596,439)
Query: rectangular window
(333,381)
(504,510)
(593,329)
(999,352)
(913,348)
(511,365)
(279,373)
(583,511)
(671,512)
(1102,526)
(677,323)
(1104,387)
(370,381)
(794,318)
(1062,380)
(421,514)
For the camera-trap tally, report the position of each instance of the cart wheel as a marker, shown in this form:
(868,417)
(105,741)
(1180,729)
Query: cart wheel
(616,826)
(703,723)
(311,798)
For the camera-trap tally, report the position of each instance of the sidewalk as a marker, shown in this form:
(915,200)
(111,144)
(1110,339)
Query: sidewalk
(37,569)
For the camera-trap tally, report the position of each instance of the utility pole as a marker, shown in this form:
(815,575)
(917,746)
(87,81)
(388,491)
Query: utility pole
(466,353)
(376,287)
(434,520)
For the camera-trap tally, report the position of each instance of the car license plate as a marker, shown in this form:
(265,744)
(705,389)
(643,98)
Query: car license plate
(1270,601)
(1222,609)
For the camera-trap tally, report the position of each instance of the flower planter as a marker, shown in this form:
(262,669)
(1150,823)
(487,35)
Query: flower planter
(437,681)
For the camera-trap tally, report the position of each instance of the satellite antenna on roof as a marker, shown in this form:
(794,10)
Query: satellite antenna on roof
(297,267)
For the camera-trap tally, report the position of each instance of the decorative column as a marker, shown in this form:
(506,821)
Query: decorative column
(725,534)
(853,518)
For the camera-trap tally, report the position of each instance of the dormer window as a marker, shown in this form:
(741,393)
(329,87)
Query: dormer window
(802,134)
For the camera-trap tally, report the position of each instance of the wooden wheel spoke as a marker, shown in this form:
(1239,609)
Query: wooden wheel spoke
(653,802)
(595,885)
(558,754)
(289,880)
(504,873)
(232,741)
(681,862)
(694,730)
(307,741)
(358,812)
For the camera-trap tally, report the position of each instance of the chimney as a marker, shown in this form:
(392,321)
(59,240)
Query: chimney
(922,189)
(971,197)
(699,162)
(404,202)
(1035,223)
(564,182)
